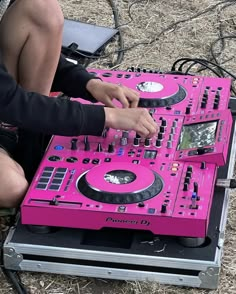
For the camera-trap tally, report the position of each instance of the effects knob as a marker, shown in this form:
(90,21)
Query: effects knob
(189,174)
(189,168)
(163,208)
(74,144)
(141,204)
(187,180)
(99,147)
(205,94)
(203,165)
(163,123)
(174,124)
(171,137)
(123,141)
(203,104)
(185,187)
(162,129)
(160,136)
(215,105)
(125,134)
(172,131)
(111,148)
(158,143)
(217,95)
(188,110)
(86,146)
(136,142)
(147,142)
(169,144)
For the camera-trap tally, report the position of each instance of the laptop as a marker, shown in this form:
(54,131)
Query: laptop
(90,38)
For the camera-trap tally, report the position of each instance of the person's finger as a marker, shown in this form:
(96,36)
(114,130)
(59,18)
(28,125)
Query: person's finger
(122,98)
(108,102)
(152,129)
(133,102)
(132,96)
(142,131)
(152,122)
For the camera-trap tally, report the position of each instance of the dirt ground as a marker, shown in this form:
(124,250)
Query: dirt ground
(155,34)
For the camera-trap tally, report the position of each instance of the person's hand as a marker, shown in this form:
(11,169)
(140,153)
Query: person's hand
(105,92)
(136,119)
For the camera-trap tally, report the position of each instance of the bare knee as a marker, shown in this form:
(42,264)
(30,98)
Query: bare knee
(46,14)
(13,188)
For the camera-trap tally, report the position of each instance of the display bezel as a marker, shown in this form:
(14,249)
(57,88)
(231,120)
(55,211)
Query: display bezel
(198,142)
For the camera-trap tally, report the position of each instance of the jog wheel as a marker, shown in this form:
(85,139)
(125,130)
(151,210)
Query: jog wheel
(120,183)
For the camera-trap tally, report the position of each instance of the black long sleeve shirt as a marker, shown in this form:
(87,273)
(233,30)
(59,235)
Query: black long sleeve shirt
(47,115)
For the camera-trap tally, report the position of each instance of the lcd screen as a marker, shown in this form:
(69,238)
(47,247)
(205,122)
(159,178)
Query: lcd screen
(197,135)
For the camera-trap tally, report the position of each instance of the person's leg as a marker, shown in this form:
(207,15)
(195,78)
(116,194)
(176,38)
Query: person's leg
(12,181)
(30,44)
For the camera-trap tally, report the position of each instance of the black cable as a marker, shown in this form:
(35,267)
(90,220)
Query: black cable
(221,34)
(173,25)
(170,27)
(15,281)
(203,64)
(201,61)
(120,53)
(216,41)
(187,60)
(129,14)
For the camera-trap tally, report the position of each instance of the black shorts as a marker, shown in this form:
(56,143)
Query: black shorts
(8,140)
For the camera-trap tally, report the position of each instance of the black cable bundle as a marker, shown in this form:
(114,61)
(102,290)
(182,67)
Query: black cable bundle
(14,278)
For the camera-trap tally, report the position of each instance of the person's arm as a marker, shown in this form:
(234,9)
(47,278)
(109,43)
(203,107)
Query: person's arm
(47,115)
(71,79)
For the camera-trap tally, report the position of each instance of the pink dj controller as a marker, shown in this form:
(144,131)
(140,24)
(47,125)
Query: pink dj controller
(164,184)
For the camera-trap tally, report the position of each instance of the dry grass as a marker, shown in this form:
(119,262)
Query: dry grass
(199,23)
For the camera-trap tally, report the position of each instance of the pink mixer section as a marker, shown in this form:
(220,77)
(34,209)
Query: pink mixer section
(164,184)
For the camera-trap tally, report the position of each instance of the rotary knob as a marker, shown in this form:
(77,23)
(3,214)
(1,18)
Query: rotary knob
(110,148)
(74,144)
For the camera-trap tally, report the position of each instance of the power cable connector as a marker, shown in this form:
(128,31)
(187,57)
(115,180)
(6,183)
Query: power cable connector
(226,183)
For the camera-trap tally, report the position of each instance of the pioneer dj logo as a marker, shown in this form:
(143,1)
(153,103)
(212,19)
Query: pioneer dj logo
(126,221)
